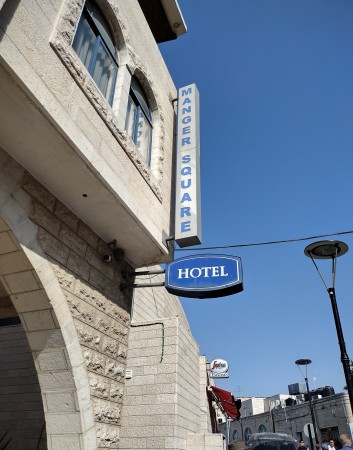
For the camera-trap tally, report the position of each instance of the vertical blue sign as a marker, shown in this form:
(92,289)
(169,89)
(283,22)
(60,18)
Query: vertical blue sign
(188,201)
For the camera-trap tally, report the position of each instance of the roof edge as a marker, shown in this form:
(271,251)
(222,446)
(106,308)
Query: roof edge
(174,16)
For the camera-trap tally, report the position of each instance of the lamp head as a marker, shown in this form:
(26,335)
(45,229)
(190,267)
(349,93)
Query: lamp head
(302,362)
(326,249)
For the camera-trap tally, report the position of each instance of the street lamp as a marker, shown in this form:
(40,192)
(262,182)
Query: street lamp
(332,250)
(305,362)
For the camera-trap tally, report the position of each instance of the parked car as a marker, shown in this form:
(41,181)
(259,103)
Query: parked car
(271,441)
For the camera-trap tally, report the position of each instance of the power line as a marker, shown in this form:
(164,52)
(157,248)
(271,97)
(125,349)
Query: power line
(263,243)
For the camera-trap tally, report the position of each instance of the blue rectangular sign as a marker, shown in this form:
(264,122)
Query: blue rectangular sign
(204,276)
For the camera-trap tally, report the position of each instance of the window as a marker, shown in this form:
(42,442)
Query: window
(247,434)
(329,433)
(94,45)
(139,120)
(262,429)
(236,435)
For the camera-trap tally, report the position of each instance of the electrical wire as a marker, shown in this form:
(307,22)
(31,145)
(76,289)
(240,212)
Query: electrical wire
(285,241)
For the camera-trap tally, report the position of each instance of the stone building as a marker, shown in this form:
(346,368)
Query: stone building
(332,414)
(87,127)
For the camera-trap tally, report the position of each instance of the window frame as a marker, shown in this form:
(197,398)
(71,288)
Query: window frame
(87,13)
(236,435)
(247,433)
(113,116)
(138,97)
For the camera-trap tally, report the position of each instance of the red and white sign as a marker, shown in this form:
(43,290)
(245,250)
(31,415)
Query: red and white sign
(219,368)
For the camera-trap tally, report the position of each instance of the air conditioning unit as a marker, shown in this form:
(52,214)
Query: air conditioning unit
(296,388)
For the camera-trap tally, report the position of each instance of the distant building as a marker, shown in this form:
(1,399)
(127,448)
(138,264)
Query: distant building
(252,405)
(332,413)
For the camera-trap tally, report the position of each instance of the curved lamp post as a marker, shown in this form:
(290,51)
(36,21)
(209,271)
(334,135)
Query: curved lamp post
(305,362)
(332,250)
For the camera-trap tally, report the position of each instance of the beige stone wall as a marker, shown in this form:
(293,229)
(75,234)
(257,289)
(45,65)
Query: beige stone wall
(206,442)
(76,319)
(162,399)
(165,403)
(35,49)
(74,314)
(206,425)
(155,302)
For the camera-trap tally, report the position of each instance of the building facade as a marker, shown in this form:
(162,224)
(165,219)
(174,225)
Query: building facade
(87,123)
(332,414)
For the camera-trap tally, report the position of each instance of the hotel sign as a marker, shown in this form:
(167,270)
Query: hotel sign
(188,201)
(204,276)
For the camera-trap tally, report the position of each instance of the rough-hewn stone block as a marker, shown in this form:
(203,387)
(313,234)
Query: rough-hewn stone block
(44,218)
(105,411)
(88,235)
(103,283)
(108,435)
(66,216)
(78,266)
(100,385)
(53,246)
(76,244)
(36,190)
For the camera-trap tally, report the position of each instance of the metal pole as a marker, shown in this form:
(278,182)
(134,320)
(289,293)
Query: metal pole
(310,438)
(344,357)
(242,429)
(228,430)
(312,417)
(273,419)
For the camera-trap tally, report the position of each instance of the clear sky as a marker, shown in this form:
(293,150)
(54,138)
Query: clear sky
(276,89)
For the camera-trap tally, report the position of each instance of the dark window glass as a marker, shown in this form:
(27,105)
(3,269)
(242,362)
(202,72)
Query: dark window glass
(139,120)
(247,434)
(94,45)
(236,435)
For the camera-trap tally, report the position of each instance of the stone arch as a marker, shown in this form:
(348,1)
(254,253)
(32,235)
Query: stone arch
(41,305)
(112,15)
(30,282)
(52,262)
(147,86)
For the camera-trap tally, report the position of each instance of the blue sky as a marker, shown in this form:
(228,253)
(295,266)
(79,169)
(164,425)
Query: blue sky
(276,89)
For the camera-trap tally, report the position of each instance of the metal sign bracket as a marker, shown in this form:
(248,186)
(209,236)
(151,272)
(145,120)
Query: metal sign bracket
(143,285)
